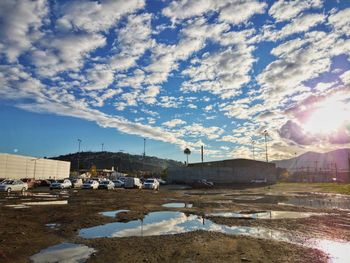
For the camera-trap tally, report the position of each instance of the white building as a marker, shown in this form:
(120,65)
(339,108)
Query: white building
(19,166)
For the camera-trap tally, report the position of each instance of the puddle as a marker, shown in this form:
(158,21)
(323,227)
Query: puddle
(169,222)
(264,215)
(326,202)
(20,206)
(57,202)
(43,195)
(203,193)
(178,205)
(65,252)
(248,198)
(114,213)
(53,225)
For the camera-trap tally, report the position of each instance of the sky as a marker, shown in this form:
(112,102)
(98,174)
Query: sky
(176,73)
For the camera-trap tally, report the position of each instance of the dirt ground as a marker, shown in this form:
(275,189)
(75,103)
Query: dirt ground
(23,232)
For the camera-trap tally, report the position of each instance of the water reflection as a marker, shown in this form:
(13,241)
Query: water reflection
(65,252)
(326,202)
(165,223)
(169,222)
(178,205)
(264,215)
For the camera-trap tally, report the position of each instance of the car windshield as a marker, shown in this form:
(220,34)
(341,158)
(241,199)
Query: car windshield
(8,182)
(59,181)
(105,182)
(150,181)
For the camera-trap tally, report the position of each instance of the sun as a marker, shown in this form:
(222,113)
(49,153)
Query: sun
(328,116)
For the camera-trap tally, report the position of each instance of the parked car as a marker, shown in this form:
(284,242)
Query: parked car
(133,182)
(77,183)
(29,181)
(106,184)
(12,185)
(118,183)
(151,184)
(61,184)
(259,181)
(90,184)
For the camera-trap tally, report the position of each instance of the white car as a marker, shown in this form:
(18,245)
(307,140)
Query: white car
(11,185)
(133,182)
(77,183)
(61,184)
(151,184)
(91,184)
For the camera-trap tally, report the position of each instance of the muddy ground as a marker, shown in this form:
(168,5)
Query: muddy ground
(23,231)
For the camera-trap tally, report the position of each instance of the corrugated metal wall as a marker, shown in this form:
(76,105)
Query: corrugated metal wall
(221,175)
(17,167)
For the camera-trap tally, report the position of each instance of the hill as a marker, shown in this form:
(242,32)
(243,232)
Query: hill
(323,161)
(123,162)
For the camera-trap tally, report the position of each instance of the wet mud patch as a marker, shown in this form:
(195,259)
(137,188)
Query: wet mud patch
(199,246)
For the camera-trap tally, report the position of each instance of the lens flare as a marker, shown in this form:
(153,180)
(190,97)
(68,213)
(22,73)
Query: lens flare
(328,116)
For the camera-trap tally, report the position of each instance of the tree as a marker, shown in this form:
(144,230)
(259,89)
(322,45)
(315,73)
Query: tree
(187,152)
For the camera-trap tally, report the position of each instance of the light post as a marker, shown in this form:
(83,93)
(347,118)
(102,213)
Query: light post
(79,142)
(265,135)
(35,165)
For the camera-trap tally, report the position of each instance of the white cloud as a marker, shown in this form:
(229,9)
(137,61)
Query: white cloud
(132,41)
(222,73)
(20,25)
(241,11)
(196,130)
(65,52)
(232,11)
(173,123)
(340,21)
(285,10)
(150,94)
(345,77)
(298,25)
(92,16)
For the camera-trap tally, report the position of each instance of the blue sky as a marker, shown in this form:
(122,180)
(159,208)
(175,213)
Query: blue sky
(179,73)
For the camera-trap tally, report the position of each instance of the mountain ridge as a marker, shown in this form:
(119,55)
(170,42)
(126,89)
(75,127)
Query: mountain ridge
(338,158)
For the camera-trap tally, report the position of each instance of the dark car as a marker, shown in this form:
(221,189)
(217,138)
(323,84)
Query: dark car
(106,184)
(30,182)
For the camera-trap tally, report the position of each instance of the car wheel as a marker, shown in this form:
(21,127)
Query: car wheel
(23,189)
(8,190)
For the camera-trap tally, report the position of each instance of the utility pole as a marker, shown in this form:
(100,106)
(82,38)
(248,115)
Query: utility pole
(102,146)
(202,154)
(144,154)
(265,135)
(79,142)
(144,148)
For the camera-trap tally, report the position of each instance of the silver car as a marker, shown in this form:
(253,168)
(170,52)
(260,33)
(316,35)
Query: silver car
(13,185)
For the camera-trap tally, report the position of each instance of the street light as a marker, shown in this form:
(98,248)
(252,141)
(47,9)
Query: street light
(35,165)
(79,142)
(265,135)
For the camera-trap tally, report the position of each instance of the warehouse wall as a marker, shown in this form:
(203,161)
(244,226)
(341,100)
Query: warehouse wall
(222,175)
(18,166)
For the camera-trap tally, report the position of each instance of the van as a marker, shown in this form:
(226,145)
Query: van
(133,182)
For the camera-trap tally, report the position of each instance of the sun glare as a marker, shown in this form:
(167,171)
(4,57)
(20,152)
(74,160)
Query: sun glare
(328,116)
